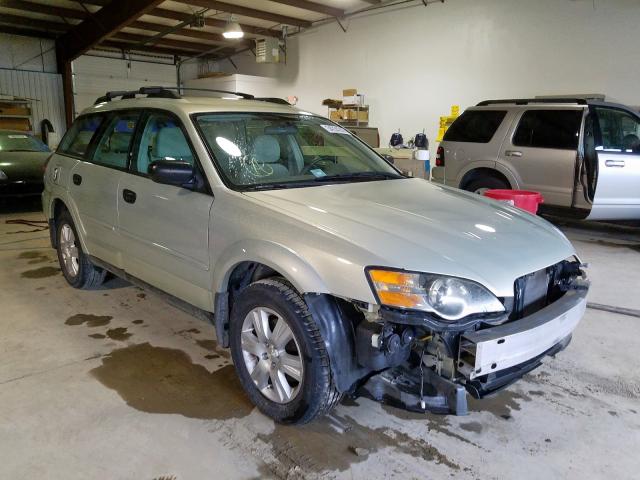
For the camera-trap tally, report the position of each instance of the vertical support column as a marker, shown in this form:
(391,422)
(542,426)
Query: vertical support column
(64,68)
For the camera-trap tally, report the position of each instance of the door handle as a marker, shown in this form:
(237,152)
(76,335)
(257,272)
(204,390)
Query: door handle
(614,163)
(512,153)
(129,196)
(77,179)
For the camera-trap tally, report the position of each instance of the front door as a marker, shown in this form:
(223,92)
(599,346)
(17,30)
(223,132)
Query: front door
(617,148)
(543,150)
(165,228)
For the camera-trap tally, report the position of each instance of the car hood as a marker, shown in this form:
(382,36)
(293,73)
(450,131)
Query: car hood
(23,165)
(415,225)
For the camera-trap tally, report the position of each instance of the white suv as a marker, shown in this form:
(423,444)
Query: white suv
(323,269)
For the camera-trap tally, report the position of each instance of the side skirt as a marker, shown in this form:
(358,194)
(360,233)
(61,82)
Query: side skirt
(167,297)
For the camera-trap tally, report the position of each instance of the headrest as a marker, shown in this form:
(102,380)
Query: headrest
(119,142)
(170,142)
(266,149)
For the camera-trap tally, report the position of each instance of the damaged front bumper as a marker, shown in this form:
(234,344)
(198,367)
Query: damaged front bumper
(487,360)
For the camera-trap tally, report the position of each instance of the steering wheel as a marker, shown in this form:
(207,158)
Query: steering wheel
(316,161)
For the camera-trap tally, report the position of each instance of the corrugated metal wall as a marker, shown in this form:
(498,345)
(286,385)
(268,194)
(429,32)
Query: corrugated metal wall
(46,91)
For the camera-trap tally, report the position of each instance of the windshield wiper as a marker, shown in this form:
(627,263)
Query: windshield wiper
(358,176)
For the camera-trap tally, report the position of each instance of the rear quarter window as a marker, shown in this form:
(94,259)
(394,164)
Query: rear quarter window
(78,138)
(475,126)
(559,129)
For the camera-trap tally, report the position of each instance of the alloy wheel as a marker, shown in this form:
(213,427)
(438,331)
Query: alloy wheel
(272,355)
(69,250)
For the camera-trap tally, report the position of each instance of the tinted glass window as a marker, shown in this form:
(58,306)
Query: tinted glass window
(549,129)
(619,131)
(113,149)
(477,126)
(162,139)
(77,139)
(20,142)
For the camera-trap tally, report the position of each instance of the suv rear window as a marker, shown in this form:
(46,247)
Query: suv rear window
(558,129)
(476,126)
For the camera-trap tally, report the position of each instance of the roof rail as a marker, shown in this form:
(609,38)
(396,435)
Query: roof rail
(150,92)
(527,101)
(172,92)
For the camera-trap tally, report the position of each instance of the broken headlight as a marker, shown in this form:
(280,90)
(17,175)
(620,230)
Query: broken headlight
(451,298)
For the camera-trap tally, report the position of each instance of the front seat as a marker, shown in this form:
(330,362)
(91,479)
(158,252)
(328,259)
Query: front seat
(266,152)
(170,144)
(631,143)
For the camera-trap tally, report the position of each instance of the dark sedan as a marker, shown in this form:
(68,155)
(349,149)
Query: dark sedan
(22,159)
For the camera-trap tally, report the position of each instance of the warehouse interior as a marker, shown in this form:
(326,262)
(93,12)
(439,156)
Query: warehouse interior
(122,382)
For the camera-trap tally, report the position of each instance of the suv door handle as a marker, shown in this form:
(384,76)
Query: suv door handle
(512,153)
(77,179)
(614,163)
(129,196)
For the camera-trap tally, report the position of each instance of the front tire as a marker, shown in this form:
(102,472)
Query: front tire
(75,264)
(279,353)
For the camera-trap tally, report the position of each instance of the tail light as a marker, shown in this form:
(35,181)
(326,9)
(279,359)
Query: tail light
(440,157)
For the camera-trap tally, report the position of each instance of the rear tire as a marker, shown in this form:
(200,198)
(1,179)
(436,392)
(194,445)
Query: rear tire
(75,264)
(486,182)
(264,364)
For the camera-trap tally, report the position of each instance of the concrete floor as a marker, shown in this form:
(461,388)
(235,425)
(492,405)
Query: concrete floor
(117,384)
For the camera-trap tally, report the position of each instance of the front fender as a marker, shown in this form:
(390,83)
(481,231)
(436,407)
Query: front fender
(274,255)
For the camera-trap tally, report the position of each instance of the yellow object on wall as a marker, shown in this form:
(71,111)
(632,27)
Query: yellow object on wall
(447,120)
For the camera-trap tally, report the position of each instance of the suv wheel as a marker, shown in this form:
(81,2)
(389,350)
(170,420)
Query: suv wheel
(76,266)
(486,182)
(279,353)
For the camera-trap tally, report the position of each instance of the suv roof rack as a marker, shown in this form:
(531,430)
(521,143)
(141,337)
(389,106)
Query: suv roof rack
(526,101)
(171,92)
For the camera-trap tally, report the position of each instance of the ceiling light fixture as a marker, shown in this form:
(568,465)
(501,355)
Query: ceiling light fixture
(233,29)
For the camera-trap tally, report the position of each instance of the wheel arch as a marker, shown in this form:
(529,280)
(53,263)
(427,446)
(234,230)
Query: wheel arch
(248,261)
(56,206)
(478,172)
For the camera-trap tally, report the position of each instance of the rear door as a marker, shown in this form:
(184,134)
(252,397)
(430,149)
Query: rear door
(472,141)
(617,147)
(543,151)
(165,228)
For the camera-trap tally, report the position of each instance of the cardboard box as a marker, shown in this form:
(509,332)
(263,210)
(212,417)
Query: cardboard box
(353,100)
(334,115)
(363,115)
(349,92)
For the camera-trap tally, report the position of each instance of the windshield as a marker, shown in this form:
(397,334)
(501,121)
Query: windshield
(269,150)
(20,142)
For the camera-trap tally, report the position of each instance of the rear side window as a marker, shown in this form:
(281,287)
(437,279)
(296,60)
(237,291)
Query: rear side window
(113,149)
(558,129)
(78,137)
(476,126)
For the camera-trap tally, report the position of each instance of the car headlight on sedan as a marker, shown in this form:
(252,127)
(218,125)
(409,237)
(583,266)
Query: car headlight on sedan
(451,298)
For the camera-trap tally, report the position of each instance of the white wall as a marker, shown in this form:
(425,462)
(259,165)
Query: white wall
(414,63)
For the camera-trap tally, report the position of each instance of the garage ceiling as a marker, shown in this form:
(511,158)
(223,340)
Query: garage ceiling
(162,27)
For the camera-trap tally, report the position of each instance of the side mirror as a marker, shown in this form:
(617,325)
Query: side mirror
(171,172)
(389,158)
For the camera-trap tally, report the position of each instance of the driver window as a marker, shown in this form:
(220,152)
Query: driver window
(162,139)
(619,131)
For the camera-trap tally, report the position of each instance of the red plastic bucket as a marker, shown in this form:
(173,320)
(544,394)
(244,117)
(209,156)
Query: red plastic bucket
(524,199)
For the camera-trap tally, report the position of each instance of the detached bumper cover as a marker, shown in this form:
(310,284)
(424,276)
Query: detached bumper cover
(499,348)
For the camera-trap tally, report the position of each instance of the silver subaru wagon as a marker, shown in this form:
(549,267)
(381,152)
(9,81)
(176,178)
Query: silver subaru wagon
(324,270)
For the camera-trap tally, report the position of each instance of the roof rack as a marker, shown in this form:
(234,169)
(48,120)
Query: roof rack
(168,92)
(527,101)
